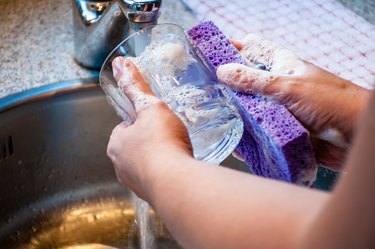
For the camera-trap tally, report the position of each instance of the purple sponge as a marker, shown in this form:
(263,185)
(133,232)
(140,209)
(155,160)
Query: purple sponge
(274,144)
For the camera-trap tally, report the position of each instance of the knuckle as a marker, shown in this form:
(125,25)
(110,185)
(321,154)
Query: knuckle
(110,151)
(117,129)
(119,178)
(161,106)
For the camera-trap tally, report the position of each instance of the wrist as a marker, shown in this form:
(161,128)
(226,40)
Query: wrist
(162,170)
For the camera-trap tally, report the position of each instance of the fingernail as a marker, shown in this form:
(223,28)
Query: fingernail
(117,67)
(238,44)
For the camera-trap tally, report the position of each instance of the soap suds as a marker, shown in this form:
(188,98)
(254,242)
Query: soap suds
(241,78)
(163,61)
(131,82)
(281,60)
(248,79)
(171,56)
(140,100)
(335,137)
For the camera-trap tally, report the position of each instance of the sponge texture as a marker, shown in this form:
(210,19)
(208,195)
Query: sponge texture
(274,144)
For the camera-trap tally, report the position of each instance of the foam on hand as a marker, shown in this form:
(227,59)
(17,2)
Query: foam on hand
(132,83)
(239,77)
(258,50)
(274,144)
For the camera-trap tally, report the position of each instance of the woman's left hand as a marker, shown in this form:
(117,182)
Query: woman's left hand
(156,135)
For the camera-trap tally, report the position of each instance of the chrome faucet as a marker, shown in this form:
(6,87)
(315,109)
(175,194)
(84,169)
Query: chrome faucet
(99,26)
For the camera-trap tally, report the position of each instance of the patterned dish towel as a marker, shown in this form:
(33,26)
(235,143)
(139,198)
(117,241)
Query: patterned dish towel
(323,32)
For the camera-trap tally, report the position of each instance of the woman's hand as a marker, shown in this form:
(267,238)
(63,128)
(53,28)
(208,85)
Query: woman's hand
(325,104)
(157,134)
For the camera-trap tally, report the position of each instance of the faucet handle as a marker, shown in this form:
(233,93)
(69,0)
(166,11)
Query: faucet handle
(142,11)
(91,11)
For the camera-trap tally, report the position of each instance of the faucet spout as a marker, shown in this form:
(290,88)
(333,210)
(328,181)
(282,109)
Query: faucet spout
(99,26)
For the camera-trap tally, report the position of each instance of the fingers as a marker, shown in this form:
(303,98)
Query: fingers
(281,60)
(257,49)
(131,81)
(237,44)
(245,79)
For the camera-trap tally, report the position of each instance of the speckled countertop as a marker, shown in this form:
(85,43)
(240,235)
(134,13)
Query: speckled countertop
(36,42)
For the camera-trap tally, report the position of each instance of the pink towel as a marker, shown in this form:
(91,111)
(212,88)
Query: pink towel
(321,31)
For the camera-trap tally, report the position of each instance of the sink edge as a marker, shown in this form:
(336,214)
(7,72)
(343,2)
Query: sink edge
(46,91)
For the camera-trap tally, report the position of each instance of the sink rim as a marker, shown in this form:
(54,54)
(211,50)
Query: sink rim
(46,91)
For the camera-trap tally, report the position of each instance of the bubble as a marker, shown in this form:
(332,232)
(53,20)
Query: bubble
(290,71)
(171,50)
(141,100)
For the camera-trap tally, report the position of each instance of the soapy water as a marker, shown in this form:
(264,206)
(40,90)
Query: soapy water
(203,105)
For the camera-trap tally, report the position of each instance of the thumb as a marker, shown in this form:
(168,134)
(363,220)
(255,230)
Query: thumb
(242,78)
(131,81)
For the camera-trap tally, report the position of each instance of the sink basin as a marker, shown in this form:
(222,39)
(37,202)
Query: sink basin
(57,186)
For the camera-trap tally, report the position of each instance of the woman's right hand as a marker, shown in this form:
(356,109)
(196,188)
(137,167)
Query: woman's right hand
(328,106)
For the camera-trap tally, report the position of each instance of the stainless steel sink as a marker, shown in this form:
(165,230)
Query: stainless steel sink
(57,187)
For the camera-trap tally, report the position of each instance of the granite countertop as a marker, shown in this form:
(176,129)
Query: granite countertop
(36,45)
